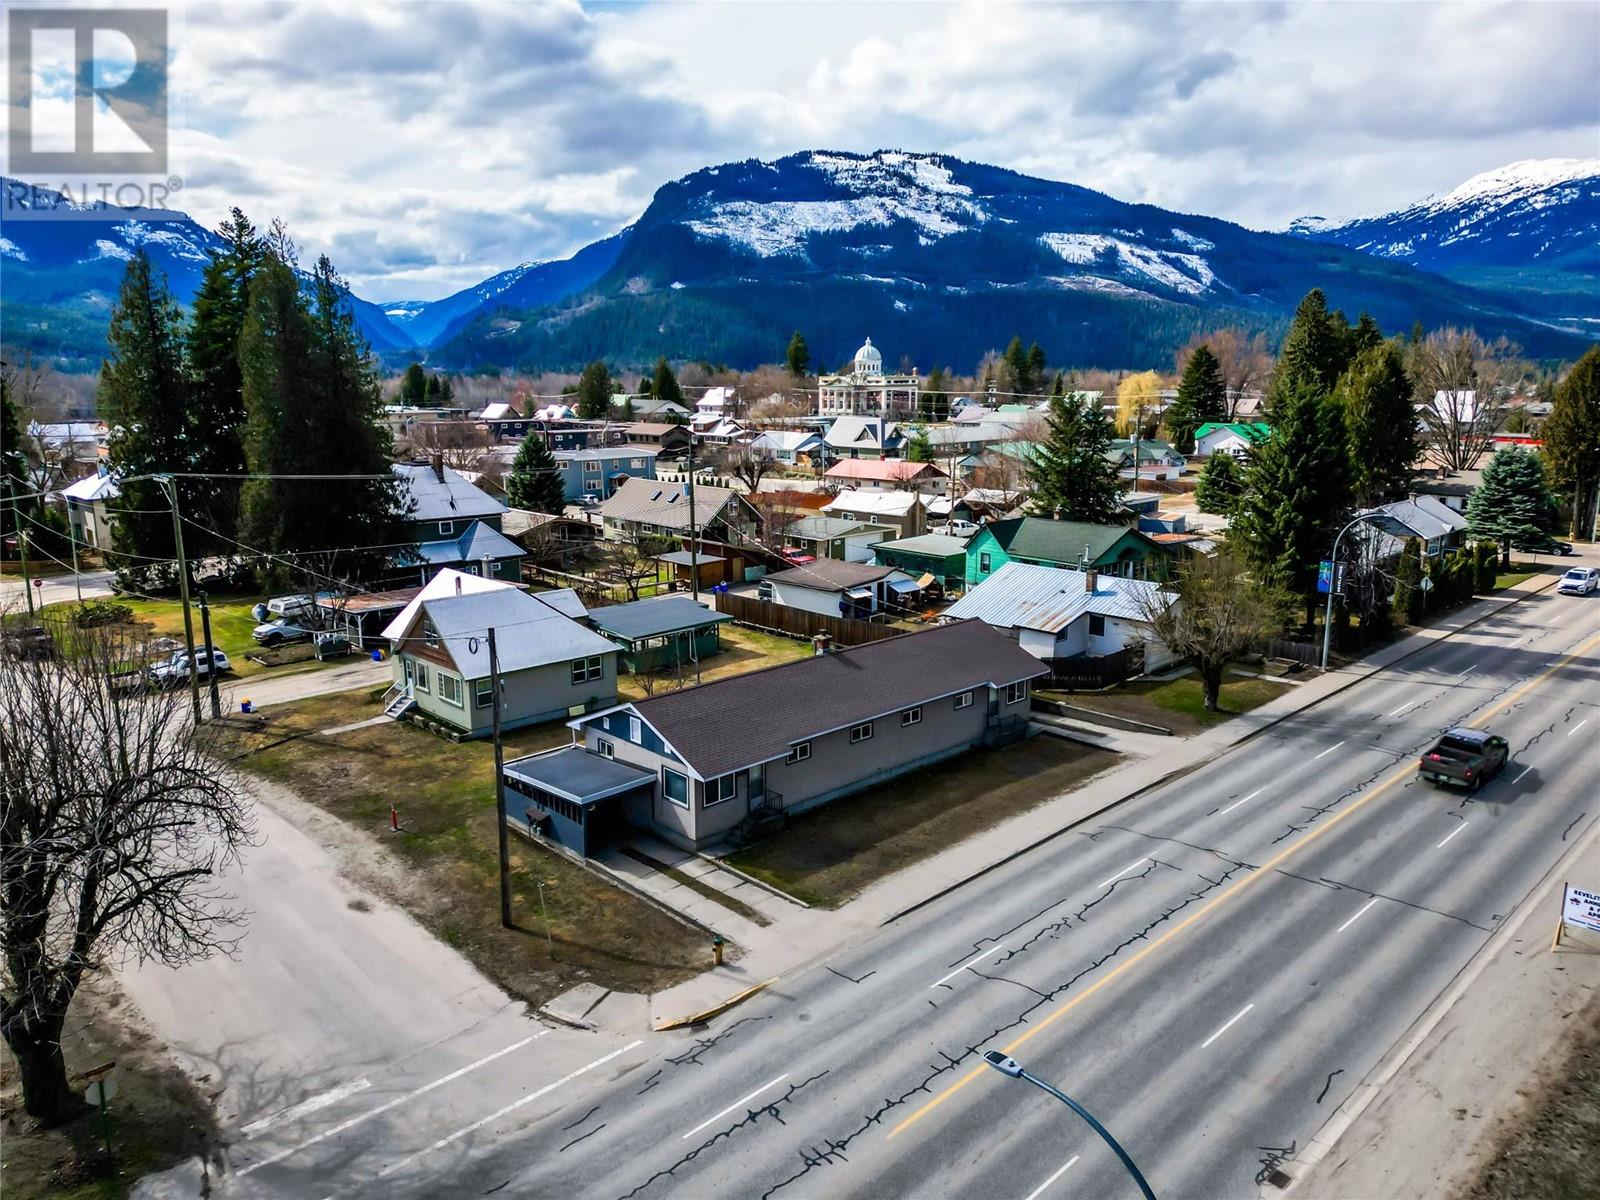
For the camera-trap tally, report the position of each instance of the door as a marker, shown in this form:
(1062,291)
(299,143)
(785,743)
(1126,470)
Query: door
(411,675)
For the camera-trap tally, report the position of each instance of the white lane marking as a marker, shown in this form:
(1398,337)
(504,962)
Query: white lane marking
(1121,873)
(1357,917)
(395,1103)
(1577,727)
(1469,670)
(1236,803)
(966,964)
(1060,1171)
(1403,707)
(1329,750)
(1521,773)
(1451,834)
(509,1108)
(1228,1026)
(308,1106)
(734,1105)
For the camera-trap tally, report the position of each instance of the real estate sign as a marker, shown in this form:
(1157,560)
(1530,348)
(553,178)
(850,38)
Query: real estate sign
(1581,908)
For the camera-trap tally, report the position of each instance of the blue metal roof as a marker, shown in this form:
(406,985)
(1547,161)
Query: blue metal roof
(578,775)
(477,542)
(650,618)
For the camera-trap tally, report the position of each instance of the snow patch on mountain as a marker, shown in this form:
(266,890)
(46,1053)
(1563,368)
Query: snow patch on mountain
(138,233)
(108,249)
(1185,238)
(9,249)
(1187,273)
(777,227)
(1513,182)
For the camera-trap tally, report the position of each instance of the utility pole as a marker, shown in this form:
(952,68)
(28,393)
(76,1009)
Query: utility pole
(170,487)
(500,788)
(27,582)
(77,579)
(211,667)
(694,558)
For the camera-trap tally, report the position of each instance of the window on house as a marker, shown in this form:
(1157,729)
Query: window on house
(1016,692)
(985,563)
(430,633)
(675,787)
(911,716)
(447,526)
(450,689)
(422,677)
(586,669)
(799,752)
(862,732)
(483,692)
(636,731)
(964,700)
(606,749)
(1097,625)
(722,789)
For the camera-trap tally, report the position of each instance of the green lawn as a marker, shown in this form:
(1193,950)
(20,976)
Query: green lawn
(1177,704)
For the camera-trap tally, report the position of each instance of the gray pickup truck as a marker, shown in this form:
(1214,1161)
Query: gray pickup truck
(1466,757)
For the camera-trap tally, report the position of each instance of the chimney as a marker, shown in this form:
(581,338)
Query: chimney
(1090,579)
(438,466)
(821,643)
(458,585)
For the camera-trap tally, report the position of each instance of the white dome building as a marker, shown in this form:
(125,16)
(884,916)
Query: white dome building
(866,391)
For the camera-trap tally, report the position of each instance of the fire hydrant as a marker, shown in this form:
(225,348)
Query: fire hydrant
(716,949)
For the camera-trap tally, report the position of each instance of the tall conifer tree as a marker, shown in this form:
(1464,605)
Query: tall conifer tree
(1070,474)
(1202,397)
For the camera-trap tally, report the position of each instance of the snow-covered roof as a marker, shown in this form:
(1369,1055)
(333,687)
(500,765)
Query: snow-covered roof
(499,412)
(786,440)
(877,503)
(92,488)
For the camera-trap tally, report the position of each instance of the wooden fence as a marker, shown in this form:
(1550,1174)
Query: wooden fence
(797,622)
(1302,652)
(1088,673)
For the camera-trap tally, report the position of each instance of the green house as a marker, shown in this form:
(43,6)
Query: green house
(1112,549)
(937,554)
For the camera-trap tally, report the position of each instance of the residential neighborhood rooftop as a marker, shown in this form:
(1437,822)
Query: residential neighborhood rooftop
(885,470)
(831,575)
(1029,596)
(1058,541)
(528,633)
(475,543)
(653,617)
(440,493)
(868,500)
(654,502)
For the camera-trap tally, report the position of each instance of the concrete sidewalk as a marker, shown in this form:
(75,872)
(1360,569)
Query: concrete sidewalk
(802,937)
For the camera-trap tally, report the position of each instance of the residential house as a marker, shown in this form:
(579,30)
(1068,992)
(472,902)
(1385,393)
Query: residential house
(666,633)
(694,766)
(791,447)
(888,474)
(1108,549)
(600,472)
(718,402)
(832,588)
(864,437)
(440,503)
(1054,613)
(650,508)
(1156,460)
(866,390)
(89,508)
(478,549)
(904,512)
(835,537)
(545,537)
(1237,438)
(1428,518)
(668,441)
(550,665)
(717,431)
(937,554)
(499,411)
(1451,488)
(649,406)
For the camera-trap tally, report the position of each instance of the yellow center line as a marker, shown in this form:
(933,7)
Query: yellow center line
(1261,872)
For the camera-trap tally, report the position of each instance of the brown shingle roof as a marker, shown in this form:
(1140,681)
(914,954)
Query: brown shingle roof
(735,723)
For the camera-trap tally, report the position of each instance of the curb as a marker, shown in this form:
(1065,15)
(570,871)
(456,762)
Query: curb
(1178,772)
(722,865)
(1328,1134)
(716,1010)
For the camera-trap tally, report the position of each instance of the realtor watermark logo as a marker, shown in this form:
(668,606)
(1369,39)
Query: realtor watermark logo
(87,91)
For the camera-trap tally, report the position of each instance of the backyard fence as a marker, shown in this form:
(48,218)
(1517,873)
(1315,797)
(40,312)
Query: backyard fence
(797,622)
(1301,652)
(1089,673)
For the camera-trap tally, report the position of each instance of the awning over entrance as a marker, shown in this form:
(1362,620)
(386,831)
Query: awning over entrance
(571,796)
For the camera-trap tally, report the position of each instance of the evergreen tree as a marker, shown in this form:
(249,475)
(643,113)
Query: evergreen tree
(798,356)
(664,386)
(216,416)
(1572,440)
(13,464)
(919,449)
(414,386)
(1365,335)
(145,388)
(433,393)
(627,408)
(936,396)
(1381,419)
(1202,397)
(1034,383)
(645,384)
(1071,475)
(594,392)
(1315,350)
(1408,594)
(315,408)
(1220,485)
(534,481)
(1512,504)
(1297,493)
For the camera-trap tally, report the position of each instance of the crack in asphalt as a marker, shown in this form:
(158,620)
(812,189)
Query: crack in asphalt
(810,1161)
(692,1057)
(581,1119)
(852,978)
(581,1137)
(1324,1092)
(750,1118)
(650,1082)
(1574,824)
(1016,982)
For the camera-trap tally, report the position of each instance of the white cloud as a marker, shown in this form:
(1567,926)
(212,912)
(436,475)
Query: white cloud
(429,144)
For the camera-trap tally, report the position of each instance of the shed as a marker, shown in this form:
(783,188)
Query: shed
(661,633)
(937,554)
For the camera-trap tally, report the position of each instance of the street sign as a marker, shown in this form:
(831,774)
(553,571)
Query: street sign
(1324,577)
(1581,908)
(1426,584)
(100,1091)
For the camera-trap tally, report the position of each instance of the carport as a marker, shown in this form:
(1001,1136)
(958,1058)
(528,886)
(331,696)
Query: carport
(573,798)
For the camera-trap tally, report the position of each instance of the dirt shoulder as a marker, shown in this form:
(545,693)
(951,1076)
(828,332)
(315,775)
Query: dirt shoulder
(158,1117)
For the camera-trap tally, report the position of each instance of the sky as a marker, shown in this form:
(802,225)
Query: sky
(425,145)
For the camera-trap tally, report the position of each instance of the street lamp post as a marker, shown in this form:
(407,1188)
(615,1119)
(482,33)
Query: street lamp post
(1327,616)
(1009,1066)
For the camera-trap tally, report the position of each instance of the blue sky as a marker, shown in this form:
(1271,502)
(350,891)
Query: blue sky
(426,145)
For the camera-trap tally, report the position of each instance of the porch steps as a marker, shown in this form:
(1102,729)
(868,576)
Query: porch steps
(399,706)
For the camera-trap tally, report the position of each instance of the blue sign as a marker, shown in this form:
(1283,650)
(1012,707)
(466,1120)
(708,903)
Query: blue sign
(1324,577)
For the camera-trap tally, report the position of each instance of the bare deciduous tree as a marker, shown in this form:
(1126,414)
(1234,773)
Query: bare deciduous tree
(461,444)
(748,465)
(117,822)
(1457,379)
(633,563)
(1214,613)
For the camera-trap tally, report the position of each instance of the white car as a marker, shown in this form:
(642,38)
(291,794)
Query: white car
(1579,581)
(957,528)
(175,670)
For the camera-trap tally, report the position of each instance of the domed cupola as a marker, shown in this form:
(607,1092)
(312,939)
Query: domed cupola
(868,361)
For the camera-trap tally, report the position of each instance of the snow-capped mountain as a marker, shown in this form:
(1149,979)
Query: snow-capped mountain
(940,258)
(1538,216)
(62,275)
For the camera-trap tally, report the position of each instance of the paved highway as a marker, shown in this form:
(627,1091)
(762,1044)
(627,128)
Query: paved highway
(1211,969)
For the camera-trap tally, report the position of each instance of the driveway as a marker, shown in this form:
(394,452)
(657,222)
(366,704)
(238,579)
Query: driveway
(91,585)
(262,690)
